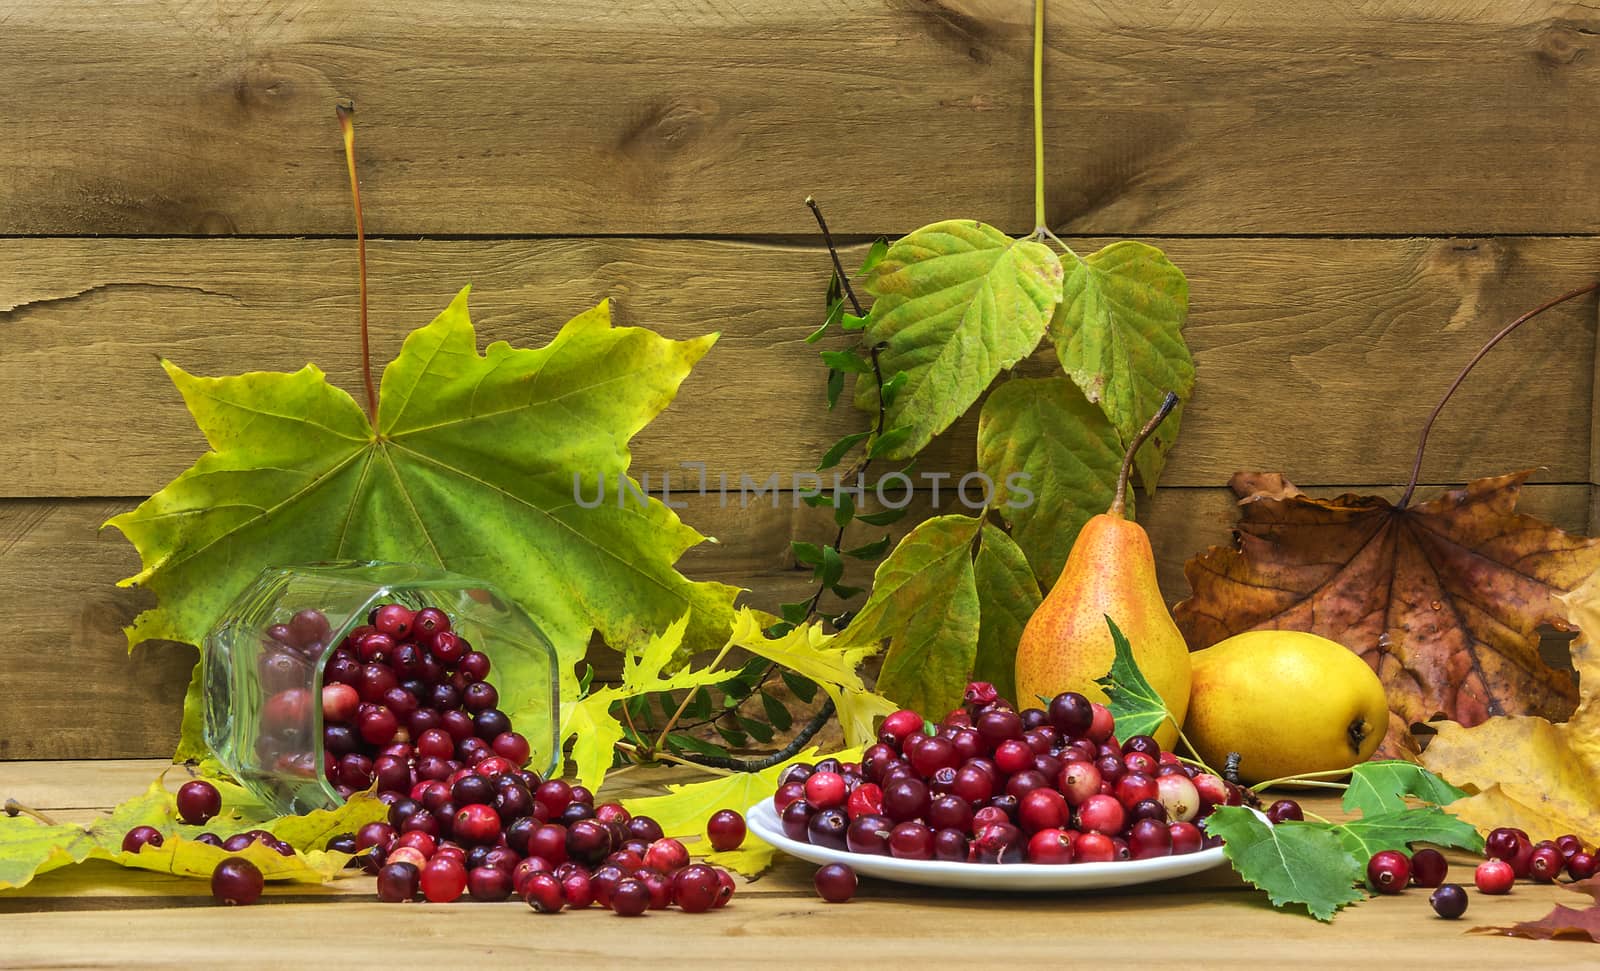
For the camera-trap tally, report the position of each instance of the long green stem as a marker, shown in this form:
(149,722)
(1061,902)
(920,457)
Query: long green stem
(1305,779)
(1038,114)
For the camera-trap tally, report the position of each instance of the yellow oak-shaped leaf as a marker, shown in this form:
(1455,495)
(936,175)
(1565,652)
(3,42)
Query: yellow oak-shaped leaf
(1528,772)
(812,654)
(486,464)
(589,722)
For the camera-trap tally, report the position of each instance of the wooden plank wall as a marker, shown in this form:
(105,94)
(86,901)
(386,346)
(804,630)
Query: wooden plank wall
(1360,195)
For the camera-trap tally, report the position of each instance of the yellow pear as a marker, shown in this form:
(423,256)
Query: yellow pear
(1288,702)
(1110,572)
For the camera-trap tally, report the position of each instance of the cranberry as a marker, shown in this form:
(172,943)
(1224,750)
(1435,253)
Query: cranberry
(398,883)
(1149,838)
(236,881)
(1136,787)
(1186,838)
(667,855)
(796,819)
(1389,871)
(577,889)
(1101,814)
(825,790)
(911,841)
(1094,848)
(1581,865)
(1042,808)
(786,794)
(827,828)
(899,725)
(198,802)
(695,888)
(1494,877)
(1428,868)
(544,893)
(1284,810)
(489,883)
(1100,725)
(659,886)
(1071,713)
(1546,864)
(1051,846)
(589,841)
(1449,901)
(725,830)
(835,883)
(865,799)
(869,834)
(477,823)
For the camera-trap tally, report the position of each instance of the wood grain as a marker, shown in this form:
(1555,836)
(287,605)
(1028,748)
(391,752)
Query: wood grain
(97,915)
(1316,357)
(196,117)
(59,573)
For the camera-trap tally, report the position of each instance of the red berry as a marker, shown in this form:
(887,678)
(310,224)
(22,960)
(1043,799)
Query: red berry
(1101,725)
(1101,814)
(577,889)
(695,888)
(489,883)
(139,837)
(397,882)
(1389,871)
(1179,796)
(1449,901)
(1581,865)
(394,620)
(901,724)
(726,829)
(444,879)
(1494,877)
(198,802)
(825,790)
(512,747)
(544,893)
(1428,868)
(236,881)
(835,883)
(666,855)
(1148,839)
(1050,846)
(1078,781)
(1186,838)
(629,897)
(728,887)
(1043,809)
(1546,864)
(1094,848)
(1284,810)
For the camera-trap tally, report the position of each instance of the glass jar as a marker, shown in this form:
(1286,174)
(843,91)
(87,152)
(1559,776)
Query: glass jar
(266,657)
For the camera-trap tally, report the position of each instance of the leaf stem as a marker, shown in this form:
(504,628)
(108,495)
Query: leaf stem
(346,113)
(669,757)
(1316,817)
(1038,115)
(1305,779)
(1422,444)
(1120,500)
(661,740)
(827,238)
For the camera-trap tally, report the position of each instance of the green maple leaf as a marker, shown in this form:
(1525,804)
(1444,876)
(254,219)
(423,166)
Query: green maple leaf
(476,465)
(1136,706)
(1118,334)
(1007,597)
(1295,863)
(925,603)
(1046,430)
(1382,787)
(957,302)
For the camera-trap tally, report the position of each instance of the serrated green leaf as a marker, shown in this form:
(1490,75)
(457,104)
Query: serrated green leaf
(835,385)
(891,388)
(885,517)
(1399,829)
(889,441)
(1136,707)
(958,302)
(847,361)
(758,730)
(871,551)
(875,254)
(1382,787)
(1295,863)
(777,713)
(931,651)
(837,450)
(297,474)
(1053,459)
(1118,335)
(826,660)
(1007,597)
(806,554)
(801,688)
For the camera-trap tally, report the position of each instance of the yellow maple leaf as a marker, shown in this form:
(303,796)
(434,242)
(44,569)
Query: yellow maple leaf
(588,721)
(1525,771)
(810,653)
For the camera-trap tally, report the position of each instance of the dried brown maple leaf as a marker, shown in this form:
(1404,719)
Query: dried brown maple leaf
(1527,772)
(1563,922)
(1443,599)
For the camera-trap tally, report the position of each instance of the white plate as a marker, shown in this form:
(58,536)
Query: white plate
(763,821)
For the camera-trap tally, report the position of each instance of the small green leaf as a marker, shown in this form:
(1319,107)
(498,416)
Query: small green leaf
(1295,863)
(1398,830)
(1135,706)
(816,499)
(699,746)
(875,254)
(834,312)
(802,688)
(585,679)
(890,440)
(638,707)
(1382,787)
(806,554)
(845,593)
(699,704)
(733,738)
(847,361)
(835,386)
(795,613)
(844,508)
(777,712)
(778,630)
(891,388)
(884,518)
(837,450)
(872,550)
(835,290)
(850,322)
(832,566)
(759,730)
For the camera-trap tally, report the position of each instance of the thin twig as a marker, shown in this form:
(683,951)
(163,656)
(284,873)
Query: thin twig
(1422,444)
(669,757)
(844,279)
(346,113)
(784,754)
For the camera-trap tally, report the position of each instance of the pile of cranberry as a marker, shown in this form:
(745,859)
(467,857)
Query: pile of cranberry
(995,785)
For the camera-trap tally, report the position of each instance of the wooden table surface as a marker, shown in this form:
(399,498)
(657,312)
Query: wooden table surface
(98,915)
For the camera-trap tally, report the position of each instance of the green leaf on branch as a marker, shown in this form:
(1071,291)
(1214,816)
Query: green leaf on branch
(835,386)
(758,730)
(1118,335)
(802,688)
(891,388)
(884,517)
(832,566)
(850,322)
(875,254)
(844,508)
(1065,456)
(957,303)
(1007,597)
(806,554)
(1382,787)
(889,441)
(472,466)
(1295,863)
(776,712)
(1137,708)
(838,449)
(847,361)
(795,613)
(871,551)
(931,651)
(1397,830)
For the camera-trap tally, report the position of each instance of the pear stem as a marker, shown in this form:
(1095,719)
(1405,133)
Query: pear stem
(1120,501)
(14,809)
(346,113)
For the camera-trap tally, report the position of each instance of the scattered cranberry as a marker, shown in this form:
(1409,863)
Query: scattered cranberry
(1449,901)
(1285,810)
(1389,871)
(1581,865)
(835,883)
(629,898)
(398,883)
(236,881)
(726,829)
(1494,877)
(139,837)
(198,802)
(444,879)
(1546,864)
(1428,868)
(544,893)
